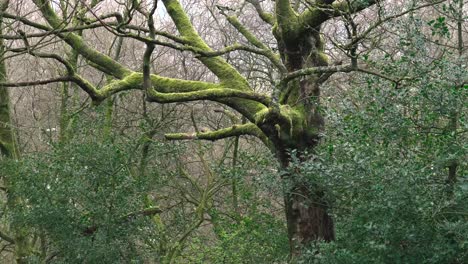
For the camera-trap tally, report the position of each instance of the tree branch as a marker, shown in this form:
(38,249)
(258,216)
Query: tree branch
(265,50)
(234,131)
(288,20)
(265,16)
(210,94)
(333,69)
(76,42)
(38,82)
(223,70)
(316,15)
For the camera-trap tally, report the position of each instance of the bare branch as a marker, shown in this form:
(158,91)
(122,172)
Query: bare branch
(38,82)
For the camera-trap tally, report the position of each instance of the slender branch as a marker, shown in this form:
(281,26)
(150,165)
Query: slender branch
(265,50)
(333,69)
(380,21)
(67,64)
(149,49)
(314,70)
(38,82)
(89,24)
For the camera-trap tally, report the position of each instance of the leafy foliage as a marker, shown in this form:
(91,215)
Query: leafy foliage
(85,196)
(385,167)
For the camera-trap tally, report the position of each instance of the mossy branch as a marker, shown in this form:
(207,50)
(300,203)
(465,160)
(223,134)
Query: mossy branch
(265,16)
(78,44)
(234,131)
(210,94)
(316,15)
(230,78)
(287,27)
(223,70)
(285,13)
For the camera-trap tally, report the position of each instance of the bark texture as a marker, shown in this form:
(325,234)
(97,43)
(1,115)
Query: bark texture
(307,214)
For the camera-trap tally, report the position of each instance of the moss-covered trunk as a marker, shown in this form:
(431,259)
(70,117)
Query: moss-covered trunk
(307,214)
(9,149)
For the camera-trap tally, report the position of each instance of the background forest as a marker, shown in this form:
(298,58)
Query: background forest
(233,131)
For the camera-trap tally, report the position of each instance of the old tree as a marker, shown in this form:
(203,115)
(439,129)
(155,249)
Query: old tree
(287,119)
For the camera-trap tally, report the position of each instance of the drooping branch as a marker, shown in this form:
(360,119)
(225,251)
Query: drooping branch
(30,50)
(72,76)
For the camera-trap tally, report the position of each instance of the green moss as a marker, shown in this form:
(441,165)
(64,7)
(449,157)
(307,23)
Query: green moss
(289,126)
(260,116)
(245,32)
(161,84)
(295,118)
(288,23)
(8,144)
(175,90)
(223,70)
(322,58)
(269,18)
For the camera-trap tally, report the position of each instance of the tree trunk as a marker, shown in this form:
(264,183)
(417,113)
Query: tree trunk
(307,215)
(307,218)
